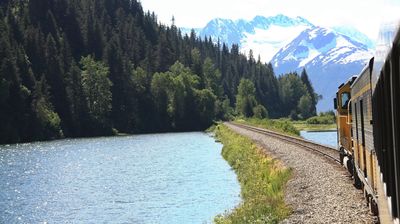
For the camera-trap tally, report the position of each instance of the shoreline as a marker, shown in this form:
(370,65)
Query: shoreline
(262,180)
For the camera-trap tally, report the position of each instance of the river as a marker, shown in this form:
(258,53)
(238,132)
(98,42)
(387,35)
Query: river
(158,178)
(328,138)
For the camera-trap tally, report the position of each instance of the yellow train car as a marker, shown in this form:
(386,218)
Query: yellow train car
(362,136)
(368,120)
(344,119)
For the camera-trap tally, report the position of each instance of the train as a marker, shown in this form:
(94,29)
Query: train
(367,108)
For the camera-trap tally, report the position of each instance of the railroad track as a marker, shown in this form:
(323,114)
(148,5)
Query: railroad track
(326,151)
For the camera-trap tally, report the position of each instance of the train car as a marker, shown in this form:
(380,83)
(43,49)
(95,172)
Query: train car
(369,128)
(344,119)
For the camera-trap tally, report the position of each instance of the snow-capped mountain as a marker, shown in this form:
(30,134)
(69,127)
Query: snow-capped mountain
(329,57)
(355,35)
(264,35)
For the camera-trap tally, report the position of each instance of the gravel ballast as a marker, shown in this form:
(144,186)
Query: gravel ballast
(320,190)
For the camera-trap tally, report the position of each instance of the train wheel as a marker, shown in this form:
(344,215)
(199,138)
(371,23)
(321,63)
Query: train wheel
(357,181)
(374,208)
(341,156)
(349,164)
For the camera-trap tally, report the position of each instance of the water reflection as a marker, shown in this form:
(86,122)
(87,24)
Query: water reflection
(328,138)
(164,178)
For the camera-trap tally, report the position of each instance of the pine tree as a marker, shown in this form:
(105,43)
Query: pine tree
(48,121)
(311,93)
(160,80)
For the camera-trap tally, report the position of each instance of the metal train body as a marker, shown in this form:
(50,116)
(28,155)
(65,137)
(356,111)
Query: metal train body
(368,120)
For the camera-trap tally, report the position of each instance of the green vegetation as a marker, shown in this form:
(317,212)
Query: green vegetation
(96,89)
(322,122)
(323,118)
(284,126)
(85,68)
(262,181)
(246,99)
(298,96)
(260,112)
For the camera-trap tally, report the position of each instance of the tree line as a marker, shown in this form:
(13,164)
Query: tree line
(72,68)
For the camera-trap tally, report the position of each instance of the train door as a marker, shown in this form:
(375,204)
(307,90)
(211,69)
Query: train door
(344,119)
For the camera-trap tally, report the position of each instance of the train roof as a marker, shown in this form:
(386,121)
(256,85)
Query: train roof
(363,71)
(388,35)
(350,80)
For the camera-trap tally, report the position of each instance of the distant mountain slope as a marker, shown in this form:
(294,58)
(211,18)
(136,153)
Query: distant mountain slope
(330,58)
(88,68)
(264,35)
(355,35)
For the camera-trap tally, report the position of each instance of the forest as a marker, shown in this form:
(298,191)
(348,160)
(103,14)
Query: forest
(78,68)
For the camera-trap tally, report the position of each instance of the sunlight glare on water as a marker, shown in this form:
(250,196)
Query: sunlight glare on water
(160,178)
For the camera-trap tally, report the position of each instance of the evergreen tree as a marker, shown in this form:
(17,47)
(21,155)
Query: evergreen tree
(292,89)
(211,77)
(141,76)
(48,121)
(311,93)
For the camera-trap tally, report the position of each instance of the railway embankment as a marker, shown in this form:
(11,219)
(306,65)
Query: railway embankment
(320,190)
(262,180)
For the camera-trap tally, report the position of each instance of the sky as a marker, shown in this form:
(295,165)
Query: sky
(365,15)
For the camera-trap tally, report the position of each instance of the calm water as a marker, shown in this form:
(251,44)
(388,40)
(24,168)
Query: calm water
(328,138)
(162,178)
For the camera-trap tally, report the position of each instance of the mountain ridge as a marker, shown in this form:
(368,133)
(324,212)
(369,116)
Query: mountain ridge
(329,57)
(293,43)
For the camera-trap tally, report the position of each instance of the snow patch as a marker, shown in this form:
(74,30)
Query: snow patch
(313,53)
(267,43)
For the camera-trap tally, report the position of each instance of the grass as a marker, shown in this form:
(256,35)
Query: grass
(322,122)
(212,128)
(290,127)
(301,125)
(279,125)
(262,180)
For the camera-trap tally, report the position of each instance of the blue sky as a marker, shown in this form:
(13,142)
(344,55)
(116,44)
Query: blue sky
(365,15)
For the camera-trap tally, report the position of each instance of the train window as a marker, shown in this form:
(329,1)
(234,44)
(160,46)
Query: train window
(345,97)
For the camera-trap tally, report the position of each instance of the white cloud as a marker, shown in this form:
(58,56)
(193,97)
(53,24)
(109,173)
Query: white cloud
(366,15)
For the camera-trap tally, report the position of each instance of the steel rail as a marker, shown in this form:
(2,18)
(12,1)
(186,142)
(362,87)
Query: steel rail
(326,151)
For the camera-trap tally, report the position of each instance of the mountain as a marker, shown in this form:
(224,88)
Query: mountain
(88,68)
(355,35)
(329,57)
(263,35)
(189,30)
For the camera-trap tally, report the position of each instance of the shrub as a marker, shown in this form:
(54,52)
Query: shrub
(260,112)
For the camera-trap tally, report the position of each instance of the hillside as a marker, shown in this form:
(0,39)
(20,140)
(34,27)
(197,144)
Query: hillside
(330,57)
(263,35)
(74,68)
